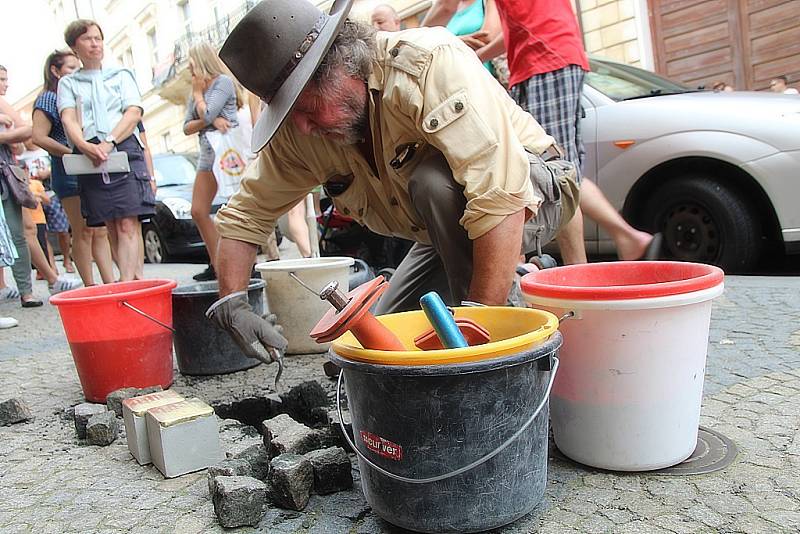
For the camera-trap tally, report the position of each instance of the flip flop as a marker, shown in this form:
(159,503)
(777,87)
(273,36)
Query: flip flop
(654,249)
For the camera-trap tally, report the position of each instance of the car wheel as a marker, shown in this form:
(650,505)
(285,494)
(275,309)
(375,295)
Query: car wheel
(707,222)
(154,249)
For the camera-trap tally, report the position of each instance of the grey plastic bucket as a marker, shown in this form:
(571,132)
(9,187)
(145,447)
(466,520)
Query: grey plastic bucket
(452,448)
(202,348)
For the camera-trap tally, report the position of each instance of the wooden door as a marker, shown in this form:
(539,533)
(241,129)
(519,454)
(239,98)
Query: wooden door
(742,42)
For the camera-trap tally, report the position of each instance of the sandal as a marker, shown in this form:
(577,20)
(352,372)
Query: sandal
(30,302)
(654,249)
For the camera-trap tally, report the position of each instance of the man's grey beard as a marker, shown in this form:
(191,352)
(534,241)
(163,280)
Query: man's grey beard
(358,127)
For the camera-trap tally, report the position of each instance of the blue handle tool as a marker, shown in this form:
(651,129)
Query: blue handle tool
(442,321)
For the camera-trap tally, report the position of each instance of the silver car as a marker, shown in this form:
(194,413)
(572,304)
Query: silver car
(717,173)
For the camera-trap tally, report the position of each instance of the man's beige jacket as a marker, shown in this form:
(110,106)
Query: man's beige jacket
(428,92)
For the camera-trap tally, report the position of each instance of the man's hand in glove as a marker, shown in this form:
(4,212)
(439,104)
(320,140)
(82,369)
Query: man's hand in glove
(257,337)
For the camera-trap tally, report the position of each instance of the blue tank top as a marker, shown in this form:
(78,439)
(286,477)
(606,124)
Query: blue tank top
(468,21)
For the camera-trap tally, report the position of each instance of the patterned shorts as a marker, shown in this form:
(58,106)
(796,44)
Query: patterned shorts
(56,217)
(554,100)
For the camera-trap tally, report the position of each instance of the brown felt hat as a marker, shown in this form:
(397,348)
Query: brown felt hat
(274,51)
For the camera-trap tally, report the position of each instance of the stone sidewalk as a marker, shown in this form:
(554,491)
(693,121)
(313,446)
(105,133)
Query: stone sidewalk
(50,482)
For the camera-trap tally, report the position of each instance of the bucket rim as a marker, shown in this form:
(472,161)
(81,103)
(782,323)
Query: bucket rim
(304,264)
(493,349)
(85,295)
(670,301)
(253,284)
(549,346)
(544,284)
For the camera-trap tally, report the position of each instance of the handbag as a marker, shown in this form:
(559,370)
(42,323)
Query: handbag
(16,181)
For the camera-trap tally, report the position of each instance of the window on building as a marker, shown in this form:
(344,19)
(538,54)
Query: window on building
(165,142)
(185,15)
(152,43)
(127,58)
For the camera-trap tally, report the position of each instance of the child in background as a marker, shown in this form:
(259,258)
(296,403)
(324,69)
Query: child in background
(38,218)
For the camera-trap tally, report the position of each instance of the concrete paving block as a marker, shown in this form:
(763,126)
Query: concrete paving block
(300,400)
(183,437)
(14,411)
(133,411)
(82,413)
(257,456)
(115,398)
(102,429)
(282,434)
(239,500)
(291,479)
(332,470)
(230,467)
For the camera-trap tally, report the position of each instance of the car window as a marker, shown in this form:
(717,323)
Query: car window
(623,82)
(173,170)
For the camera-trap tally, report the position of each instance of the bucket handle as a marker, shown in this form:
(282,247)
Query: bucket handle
(143,314)
(460,470)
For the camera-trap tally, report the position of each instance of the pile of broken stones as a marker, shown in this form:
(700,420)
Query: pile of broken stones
(291,461)
(281,463)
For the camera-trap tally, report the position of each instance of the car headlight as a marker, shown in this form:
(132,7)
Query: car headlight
(180,208)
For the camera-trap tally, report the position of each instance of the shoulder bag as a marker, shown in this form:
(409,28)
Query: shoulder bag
(16,181)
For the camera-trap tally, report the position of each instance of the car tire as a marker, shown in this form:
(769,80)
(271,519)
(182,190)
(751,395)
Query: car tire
(705,221)
(155,251)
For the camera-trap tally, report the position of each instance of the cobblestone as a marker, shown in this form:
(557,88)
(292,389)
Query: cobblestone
(51,482)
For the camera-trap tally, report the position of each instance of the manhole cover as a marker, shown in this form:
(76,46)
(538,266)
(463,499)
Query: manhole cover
(712,453)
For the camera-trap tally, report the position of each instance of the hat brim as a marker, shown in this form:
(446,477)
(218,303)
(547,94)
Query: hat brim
(285,97)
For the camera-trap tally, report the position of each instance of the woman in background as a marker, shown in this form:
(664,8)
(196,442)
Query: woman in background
(213,105)
(100,108)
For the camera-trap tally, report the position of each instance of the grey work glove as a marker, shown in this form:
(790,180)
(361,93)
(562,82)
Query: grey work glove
(258,337)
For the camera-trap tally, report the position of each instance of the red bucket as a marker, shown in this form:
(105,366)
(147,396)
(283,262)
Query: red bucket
(119,334)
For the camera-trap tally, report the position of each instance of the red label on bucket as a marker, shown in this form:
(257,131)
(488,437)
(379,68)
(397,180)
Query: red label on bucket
(384,447)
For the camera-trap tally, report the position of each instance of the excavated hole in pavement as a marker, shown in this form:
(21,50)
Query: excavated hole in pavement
(306,403)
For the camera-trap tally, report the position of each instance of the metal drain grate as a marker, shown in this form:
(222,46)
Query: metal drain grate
(713,452)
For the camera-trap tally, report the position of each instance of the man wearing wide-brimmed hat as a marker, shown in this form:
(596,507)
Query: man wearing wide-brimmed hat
(408,134)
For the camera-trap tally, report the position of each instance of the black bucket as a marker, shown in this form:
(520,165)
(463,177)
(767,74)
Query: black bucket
(456,447)
(201,347)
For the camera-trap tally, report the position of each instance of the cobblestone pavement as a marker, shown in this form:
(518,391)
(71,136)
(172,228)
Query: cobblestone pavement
(50,482)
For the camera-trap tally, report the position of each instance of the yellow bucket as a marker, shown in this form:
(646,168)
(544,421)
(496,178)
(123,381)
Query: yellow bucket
(512,331)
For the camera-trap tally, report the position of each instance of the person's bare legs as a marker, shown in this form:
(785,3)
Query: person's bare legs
(124,232)
(101,252)
(570,239)
(82,239)
(631,243)
(51,258)
(65,243)
(298,228)
(139,253)
(38,257)
(203,192)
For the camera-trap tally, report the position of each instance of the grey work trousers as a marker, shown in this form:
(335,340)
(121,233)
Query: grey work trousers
(445,266)
(22,266)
